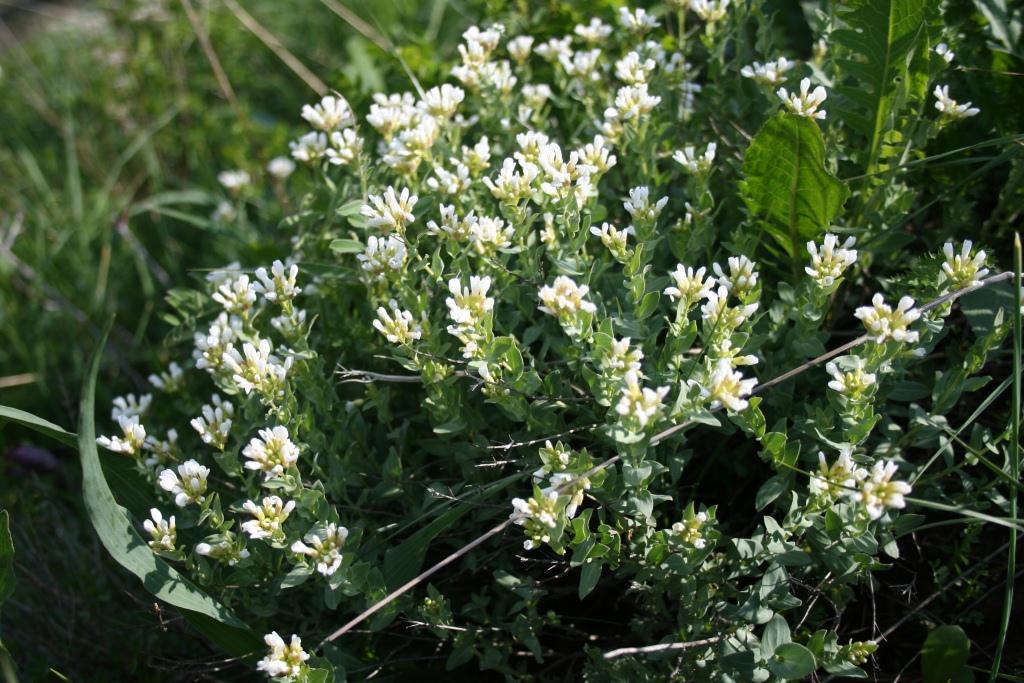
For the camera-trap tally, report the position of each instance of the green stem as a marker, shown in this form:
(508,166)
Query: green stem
(1014,454)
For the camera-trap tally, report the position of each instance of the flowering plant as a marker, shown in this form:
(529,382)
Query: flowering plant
(558,292)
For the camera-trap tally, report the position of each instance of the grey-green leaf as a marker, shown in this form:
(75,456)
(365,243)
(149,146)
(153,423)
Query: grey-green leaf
(121,539)
(787,186)
(792,661)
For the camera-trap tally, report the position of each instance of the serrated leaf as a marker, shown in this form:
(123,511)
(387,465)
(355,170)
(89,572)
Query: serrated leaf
(121,539)
(786,183)
(880,37)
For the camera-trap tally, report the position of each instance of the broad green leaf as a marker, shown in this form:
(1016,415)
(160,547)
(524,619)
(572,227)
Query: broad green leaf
(346,246)
(121,539)
(589,576)
(786,183)
(879,37)
(792,661)
(38,424)
(776,634)
(944,654)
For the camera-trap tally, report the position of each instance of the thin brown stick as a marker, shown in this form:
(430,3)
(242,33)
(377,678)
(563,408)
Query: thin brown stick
(655,440)
(278,48)
(660,647)
(356,22)
(211,55)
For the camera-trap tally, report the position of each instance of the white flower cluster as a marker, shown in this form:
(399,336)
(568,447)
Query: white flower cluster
(398,326)
(169,381)
(874,489)
(214,424)
(187,484)
(284,659)
(963,270)
(770,73)
(805,103)
(470,310)
(324,548)
(538,515)
(271,453)
(268,518)
(885,324)
(830,260)
(334,136)
(950,109)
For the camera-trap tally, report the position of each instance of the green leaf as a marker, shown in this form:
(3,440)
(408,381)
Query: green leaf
(589,576)
(792,661)
(770,490)
(346,246)
(880,38)
(38,424)
(6,558)
(119,536)
(944,654)
(786,184)
(776,634)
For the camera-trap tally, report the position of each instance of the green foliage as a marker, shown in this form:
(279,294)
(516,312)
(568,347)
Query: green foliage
(786,184)
(944,656)
(881,66)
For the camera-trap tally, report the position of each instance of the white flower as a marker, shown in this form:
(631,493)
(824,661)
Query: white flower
(283,660)
(613,238)
(633,69)
(234,180)
(639,403)
(741,279)
(392,113)
(565,298)
(690,530)
(943,51)
(964,270)
(134,436)
(398,327)
(949,108)
(163,532)
(688,158)
(224,550)
(478,157)
(637,21)
(487,235)
(830,260)
(271,453)
(839,479)
(727,387)
(582,65)
(884,324)
(281,287)
(469,305)
(236,295)
(597,154)
(538,514)
(161,451)
(555,48)
(345,147)
(640,207)
(807,102)
(383,255)
(257,369)
(769,73)
(280,167)
(391,211)
(710,11)
(214,424)
(593,33)
(309,147)
(170,380)
(331,113)
(129,406)
(717,313)
(689,285)
(853,383)
(326,551)
(269,517)
(879,491)
(442,101)
(224,213)
(210,348)
(512,186)
(633,102)
(519,48)
(620,359)
(188,485)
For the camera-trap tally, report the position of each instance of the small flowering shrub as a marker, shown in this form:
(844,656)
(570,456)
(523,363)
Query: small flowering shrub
(585,290)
